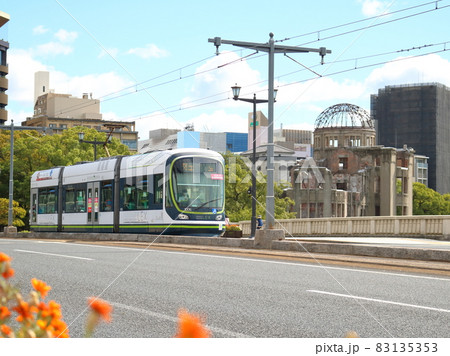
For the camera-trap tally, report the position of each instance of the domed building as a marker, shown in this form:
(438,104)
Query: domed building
(350,175)
(343,125)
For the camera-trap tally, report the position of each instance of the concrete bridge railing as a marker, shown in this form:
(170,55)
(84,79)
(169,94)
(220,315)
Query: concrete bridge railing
(433,226)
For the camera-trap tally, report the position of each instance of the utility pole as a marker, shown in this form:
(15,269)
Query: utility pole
(271,48)
(10,229)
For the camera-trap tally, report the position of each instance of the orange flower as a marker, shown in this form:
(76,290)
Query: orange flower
(60,328)
(24,310)
(100,307)
(4,312)
(191,325)
(40,287)
(6,330)
(8,273)
(4,257)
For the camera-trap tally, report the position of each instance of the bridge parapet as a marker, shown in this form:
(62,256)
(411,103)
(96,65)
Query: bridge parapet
(432,226)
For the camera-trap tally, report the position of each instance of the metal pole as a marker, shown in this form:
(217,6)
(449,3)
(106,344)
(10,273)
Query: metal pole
(271,49)
(253,225)
(270,198)
(11,176)
(95,149)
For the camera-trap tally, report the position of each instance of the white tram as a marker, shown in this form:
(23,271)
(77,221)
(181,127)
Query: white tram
(178,191)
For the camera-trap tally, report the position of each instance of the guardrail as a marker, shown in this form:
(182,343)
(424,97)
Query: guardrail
(435,226)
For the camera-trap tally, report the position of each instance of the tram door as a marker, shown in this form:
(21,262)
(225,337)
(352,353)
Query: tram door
(93,206)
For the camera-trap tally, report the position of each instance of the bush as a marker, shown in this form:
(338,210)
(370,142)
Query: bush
(232,227)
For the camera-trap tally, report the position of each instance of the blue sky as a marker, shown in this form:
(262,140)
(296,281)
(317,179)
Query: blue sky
(150,61)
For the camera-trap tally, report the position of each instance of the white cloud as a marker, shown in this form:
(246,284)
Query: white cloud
(99,84)
(18,116)
(22,67)
(39,30)
(149,51)
(156,121)
(52,49)
(373,7)
(66,36)
(21,77)
(221,80)
(220,121)
(430,68)
(108,52)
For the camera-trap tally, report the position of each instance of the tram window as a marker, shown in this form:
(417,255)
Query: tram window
(47,201)
(106,195)
(142,193)
(158,189)
(128,193)
(75,198)
(33,208)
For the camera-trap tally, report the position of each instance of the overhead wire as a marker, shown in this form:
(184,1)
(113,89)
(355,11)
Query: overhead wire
(105,98)
(359,21)
(150,114)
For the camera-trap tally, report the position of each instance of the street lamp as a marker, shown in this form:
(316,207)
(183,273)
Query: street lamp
(95,143)
(236,90)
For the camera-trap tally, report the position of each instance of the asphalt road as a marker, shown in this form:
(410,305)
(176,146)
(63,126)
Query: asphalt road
(240,296)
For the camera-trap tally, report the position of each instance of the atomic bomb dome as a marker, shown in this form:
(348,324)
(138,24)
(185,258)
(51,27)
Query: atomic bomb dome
(343,125)
(344,115)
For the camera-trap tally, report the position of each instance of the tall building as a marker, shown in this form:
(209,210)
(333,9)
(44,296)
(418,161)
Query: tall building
(417,116)
(62,111)
(4,45)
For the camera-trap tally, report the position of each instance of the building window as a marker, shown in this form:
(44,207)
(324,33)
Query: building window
(52,126)
(333,141)
(343,163)
(341,186)
(63,126)
(355,141)
(132,144)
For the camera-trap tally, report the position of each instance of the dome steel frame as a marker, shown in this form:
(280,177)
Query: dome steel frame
(344,115)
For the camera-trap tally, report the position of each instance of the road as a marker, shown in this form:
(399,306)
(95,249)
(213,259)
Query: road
(240,296)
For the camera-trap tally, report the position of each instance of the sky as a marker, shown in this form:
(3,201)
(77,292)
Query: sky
(150,61)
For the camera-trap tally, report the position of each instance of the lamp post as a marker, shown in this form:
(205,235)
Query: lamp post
(271,48)
(95,143)
(236,90)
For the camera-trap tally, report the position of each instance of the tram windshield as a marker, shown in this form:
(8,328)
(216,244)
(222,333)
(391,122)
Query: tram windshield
(198,184)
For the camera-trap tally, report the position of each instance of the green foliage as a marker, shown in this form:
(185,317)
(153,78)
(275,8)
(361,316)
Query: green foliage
(34,151)
(232,227)
(18,213)
(238,182)
(426,201)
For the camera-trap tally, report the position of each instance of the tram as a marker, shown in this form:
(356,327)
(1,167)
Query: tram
(179,191)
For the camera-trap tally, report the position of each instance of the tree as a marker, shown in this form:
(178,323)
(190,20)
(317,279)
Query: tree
(18,213)
(34,151)
(426,201)
(238,201)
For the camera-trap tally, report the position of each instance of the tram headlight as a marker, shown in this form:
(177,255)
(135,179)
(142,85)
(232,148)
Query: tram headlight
(183,217)
(219,217)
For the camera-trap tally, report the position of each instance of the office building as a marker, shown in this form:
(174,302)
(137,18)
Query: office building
(62,111)
(417,116)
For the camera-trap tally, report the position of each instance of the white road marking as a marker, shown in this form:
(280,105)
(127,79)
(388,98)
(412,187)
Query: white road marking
(153,314)
(54,254)
(379,301)
(261,260)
